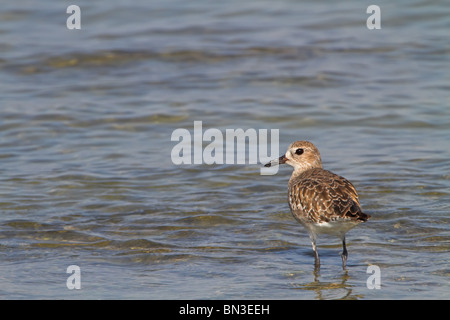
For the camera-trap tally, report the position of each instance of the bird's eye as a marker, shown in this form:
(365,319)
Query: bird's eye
(299,151)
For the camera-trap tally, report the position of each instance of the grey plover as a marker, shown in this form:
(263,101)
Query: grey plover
(323,202)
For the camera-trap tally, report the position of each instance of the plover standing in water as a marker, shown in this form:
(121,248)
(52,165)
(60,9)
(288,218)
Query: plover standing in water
(323,202)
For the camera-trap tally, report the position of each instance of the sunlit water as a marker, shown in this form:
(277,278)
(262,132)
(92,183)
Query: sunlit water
(86,176)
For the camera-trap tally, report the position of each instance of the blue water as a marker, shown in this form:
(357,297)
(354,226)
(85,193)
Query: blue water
(87,179)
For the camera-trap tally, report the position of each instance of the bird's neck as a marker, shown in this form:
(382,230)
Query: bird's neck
(303,167)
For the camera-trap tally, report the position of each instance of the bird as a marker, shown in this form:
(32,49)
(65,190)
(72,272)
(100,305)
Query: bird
(322,201)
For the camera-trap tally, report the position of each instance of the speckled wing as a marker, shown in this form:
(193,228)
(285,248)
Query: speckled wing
(322,196)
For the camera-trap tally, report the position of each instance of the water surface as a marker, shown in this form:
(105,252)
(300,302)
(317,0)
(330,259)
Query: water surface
(86,118)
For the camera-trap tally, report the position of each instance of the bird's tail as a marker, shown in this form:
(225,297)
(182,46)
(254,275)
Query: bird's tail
(363,216)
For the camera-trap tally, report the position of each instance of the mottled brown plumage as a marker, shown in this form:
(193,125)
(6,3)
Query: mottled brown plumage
(318,195)
(320,200)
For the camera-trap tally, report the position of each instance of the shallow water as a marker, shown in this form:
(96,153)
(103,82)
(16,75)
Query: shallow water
(86,176)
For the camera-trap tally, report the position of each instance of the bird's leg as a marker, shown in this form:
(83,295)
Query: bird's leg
(316,254)
(344,254)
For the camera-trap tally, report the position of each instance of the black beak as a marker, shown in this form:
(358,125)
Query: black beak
(280,160)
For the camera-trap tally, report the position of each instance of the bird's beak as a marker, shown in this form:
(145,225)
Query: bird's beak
(275,162)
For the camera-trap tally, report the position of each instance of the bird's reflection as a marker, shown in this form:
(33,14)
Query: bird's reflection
(335,288)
